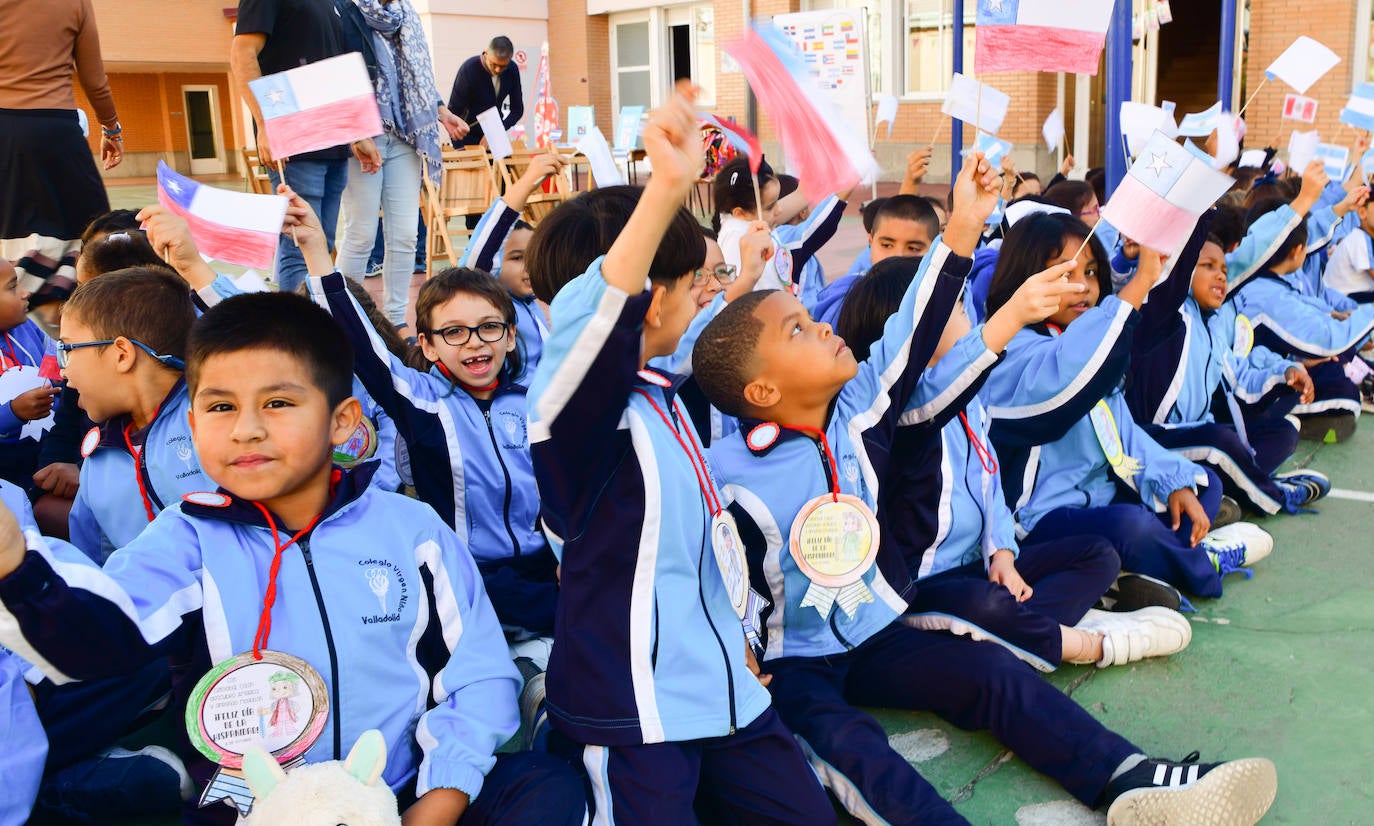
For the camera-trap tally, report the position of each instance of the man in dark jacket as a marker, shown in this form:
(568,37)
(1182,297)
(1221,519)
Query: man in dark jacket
(484,81)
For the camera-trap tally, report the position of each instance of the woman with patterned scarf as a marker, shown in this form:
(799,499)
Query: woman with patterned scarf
(392,42)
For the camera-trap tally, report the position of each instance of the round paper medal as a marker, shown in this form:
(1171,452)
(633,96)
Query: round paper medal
(834,539)
(278,703)
(782,265)
(734,568)
(360,447)
(1245,337)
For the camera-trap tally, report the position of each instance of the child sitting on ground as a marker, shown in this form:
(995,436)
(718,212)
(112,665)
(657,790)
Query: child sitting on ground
(804,473)
(649,676)
(28,384)
(903,225)
(941,504)
(270,377)
(497,246)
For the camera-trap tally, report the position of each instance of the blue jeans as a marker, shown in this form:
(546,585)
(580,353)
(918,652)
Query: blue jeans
(395,190)
(321,184)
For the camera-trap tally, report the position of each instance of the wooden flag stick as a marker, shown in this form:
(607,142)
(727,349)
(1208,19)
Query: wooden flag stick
(1252,97)
(281,171)
(939,124)
(1085,243)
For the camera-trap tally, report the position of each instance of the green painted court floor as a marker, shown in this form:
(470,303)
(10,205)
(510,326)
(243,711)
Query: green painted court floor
(1279,667)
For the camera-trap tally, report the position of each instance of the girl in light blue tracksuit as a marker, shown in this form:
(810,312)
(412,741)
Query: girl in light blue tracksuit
(1073,460)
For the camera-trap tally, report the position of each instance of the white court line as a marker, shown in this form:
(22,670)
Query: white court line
(1357,495)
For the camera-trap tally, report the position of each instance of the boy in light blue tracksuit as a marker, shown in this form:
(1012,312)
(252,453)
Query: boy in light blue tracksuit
(1297,325)
(649,677)
(816,428)
(26,746)
(1184,353)
(398,629)
(139,458)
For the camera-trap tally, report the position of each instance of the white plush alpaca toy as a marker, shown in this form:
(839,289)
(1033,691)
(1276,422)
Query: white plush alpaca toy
(350,793)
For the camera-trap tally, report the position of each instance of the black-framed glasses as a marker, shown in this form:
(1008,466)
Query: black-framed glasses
(723,273)
(64,352)
(459,334)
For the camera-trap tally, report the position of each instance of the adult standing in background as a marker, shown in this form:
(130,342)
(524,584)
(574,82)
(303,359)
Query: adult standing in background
(486,80)
(50,188)
(272,36)
(392,42)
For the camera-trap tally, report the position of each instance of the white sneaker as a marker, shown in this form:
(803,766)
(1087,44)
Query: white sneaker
(1134,635)
(1237,546)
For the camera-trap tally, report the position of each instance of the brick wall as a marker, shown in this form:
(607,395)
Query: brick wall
(151,110)
(580,57)
(1273,27)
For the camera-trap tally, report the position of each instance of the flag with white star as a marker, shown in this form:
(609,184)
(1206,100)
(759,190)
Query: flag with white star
(1041,35)
(317,106)
(234,227)
(1159,201)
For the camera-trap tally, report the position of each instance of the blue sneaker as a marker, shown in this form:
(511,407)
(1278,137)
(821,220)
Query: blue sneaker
(1301,488)
(116,785)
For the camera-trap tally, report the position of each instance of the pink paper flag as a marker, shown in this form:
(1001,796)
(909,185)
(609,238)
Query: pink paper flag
(317,106)
(233,227)
(1041,35)
(1158,202)
(828,155)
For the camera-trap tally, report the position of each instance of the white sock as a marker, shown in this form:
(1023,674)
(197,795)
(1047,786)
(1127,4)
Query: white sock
(1128,764)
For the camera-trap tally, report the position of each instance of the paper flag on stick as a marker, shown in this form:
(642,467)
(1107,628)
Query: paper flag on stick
(828,155)
(1359,111)
(1302,148)
(1139,121)
(1053,130)
(1200,124)
(1297,107)
(1252,157)
(598,153)
(1041,35)
(1334,158)
(1228,141)
(992,147)
(233,227)
(1302,64)
(976,103)
(317,106)
(1367,163)
(498,142)
(1158,202)
(887,111)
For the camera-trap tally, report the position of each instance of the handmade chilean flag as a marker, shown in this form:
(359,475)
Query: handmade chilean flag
(1041,35)
(1158,203)
(317,106)
(1359,112)
(828,154)
(233,227)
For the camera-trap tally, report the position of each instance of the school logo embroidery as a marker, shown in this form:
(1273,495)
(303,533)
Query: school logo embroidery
(512,427)
(386,582)
(184,453)
(851,469)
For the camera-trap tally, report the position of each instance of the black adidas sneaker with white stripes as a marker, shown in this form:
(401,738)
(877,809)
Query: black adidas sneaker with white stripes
(1189,793)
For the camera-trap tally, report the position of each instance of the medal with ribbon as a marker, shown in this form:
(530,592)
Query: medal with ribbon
(726,543)
(1109,437)
(269,699)
(1244,340)
(834,541)
(360,446)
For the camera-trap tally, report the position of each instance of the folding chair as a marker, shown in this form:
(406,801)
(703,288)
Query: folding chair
(541,202)
(254,173)
(467,187)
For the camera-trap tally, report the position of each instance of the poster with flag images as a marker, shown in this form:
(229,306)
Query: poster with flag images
(1167,188)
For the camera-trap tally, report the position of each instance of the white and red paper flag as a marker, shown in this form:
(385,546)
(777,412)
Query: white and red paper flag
(1041,35)
(1158,203)
(828,154)
(233,227)
(974,103)
(545,107)
(317,106)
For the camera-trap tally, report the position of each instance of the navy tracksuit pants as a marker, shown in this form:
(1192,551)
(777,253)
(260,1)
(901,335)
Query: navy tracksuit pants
(758,775)
(1143,538)
(1068,577)
(974,685)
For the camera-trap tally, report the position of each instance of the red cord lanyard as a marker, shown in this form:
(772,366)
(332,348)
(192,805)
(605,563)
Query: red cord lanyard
(985,456)
(829,457)
(270,597)
(137,456)
(694,455)
(7,351)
